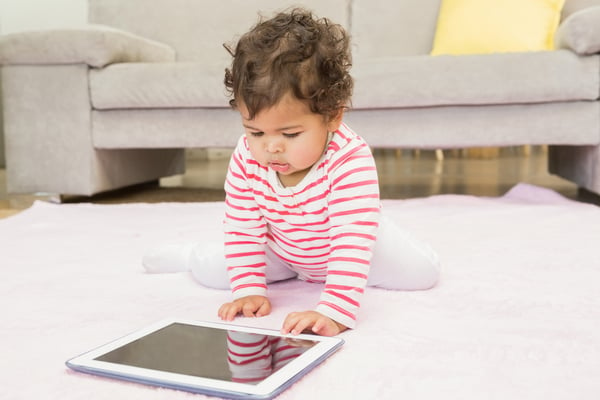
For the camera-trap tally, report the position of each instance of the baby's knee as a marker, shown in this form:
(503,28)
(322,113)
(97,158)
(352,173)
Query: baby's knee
(409,265)
(429,272)
(207,265)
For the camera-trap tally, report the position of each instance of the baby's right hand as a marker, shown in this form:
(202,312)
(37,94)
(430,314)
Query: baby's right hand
(249,306)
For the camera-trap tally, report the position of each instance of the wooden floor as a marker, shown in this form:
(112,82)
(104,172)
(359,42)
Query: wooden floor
(403,174)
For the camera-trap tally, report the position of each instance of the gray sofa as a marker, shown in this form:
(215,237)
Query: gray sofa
(117,101)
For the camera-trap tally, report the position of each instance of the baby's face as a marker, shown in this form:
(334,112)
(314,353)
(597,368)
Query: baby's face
(288,138)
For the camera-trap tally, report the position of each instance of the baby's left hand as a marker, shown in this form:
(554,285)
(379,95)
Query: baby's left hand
(311,321)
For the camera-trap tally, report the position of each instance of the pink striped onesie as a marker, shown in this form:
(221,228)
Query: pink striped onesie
(324,228)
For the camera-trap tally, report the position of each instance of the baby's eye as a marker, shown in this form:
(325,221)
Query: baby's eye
(291,135)
(256,134)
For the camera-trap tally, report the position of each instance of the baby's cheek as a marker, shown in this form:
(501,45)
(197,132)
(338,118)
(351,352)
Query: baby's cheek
(258,156)
(307,158)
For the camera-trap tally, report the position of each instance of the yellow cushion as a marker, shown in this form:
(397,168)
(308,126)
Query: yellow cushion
(495,26)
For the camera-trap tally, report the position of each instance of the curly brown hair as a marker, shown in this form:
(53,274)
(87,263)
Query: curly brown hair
(293,52)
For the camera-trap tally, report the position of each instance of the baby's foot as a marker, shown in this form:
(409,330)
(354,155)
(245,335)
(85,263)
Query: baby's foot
(168,258)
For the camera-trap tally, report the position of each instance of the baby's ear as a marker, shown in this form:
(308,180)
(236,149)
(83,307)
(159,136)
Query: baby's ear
(335,119)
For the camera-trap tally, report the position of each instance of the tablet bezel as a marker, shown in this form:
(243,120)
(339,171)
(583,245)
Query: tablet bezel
(268,388)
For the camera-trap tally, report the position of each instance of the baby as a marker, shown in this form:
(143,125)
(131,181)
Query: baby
(302,194)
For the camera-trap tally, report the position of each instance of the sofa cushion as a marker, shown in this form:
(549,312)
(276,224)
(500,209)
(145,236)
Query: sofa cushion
(490,26)
(196,29)
(572,6)
(393,28)
(158,85)
(506,78)
(414,81)
(580,32)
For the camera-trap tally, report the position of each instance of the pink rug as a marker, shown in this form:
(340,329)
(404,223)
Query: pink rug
(515,316)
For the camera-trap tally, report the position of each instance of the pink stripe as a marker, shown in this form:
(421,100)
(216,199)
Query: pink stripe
(346,156)
(228,215)
(345,298)
(301,213)
(352,172)
(354,234)
(311,200)
(240,287)
(239,197)
(357,184)
(278,239)
(344,287)
(257,178)
(312,185)
(355,211)
(309,231)
(333,146)
(255,163)
(262,342)
(261,194)
(243,234)
(305,256)
(240,243)
(345,199)
(316,278)
(340,131)
(309,239)
(256,265)
(244,362)
(237,175)
(284,348)
(359,157)
(247,254)
(287,358)
(247,274)
(246,380)
(238,162)
(299,227)
(350,247)
(239,208)
(349,259)
(338,309)
(315,198)
(367,223)
(347,273)
(231,186)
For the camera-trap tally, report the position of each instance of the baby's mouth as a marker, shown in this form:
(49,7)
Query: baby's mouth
(279,166)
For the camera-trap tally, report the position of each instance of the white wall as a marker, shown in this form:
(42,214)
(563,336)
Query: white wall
(20,15)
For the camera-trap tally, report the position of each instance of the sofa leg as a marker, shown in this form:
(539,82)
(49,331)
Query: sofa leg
(579,164)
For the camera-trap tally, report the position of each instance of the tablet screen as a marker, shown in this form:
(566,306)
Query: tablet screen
(202,351)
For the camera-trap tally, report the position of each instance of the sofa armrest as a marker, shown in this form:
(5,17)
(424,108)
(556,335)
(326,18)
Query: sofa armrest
(95,45)
(580,32)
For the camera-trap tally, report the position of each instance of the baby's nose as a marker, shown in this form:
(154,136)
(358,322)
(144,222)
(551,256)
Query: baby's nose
(274,146)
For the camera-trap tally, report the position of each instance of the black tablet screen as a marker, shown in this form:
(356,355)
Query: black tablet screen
(209,352)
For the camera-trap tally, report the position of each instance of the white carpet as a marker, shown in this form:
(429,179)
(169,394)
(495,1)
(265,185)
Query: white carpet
(515,316)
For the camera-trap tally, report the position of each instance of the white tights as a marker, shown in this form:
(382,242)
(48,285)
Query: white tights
(399,262)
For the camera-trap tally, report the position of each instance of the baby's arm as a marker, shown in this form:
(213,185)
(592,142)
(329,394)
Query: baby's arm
(245,239)
(354,218)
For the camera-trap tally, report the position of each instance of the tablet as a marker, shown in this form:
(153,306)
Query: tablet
(215,359)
